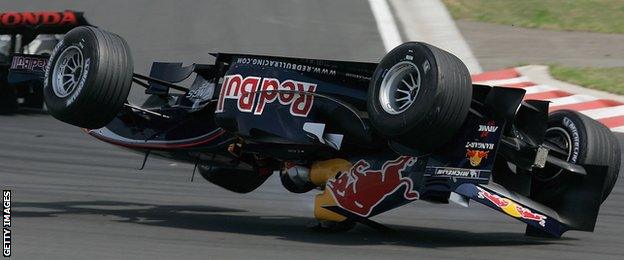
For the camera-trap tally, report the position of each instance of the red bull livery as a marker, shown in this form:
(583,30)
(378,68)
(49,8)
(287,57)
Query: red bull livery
(361,189)
(366,137)
(511,208)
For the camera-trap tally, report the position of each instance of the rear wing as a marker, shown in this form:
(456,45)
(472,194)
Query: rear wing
(31,24)
(40,22)
(25,67)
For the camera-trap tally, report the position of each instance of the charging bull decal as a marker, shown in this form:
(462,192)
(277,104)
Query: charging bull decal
(361,189)
(511,208)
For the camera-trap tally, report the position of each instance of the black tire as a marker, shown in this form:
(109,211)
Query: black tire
(590,142)
(8,100)
(440,106)
(103,84)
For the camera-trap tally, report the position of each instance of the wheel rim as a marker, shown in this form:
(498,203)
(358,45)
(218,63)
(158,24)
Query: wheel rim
(67,72)
(560,145)
(399,88)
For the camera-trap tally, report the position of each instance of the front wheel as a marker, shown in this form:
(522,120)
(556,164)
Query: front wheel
(419,95)
(579,139)
(88,77)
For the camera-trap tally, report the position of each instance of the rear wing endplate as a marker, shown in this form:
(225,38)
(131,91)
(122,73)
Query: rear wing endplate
(26,67)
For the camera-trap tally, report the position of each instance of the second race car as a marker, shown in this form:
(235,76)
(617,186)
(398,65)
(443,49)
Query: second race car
(29,33)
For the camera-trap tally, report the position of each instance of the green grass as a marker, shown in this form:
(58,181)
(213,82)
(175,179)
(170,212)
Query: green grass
(606,79)
(605,16)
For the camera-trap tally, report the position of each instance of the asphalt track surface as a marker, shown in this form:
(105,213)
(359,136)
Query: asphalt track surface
(501,46)
(75,197)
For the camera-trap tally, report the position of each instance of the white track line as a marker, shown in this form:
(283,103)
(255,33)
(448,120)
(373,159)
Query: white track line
(502,82)
(385,24)
(571,100)
(604,112)
(429,21)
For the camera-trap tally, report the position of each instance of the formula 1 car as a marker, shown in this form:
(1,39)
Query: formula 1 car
(29,33)
(370,136)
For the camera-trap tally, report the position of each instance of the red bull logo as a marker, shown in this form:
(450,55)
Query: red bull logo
(252,94)
(361,189)
(511,208)
(28,63)
(476,156)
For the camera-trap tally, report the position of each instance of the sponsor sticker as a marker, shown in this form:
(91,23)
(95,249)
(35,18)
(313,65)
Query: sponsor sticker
(512,208)
(6,223)
(480,145)
(83,79)
(575,138)
(202,94)
(489,127)
(456,173)
(476,156)
(28,63)
(252,94)
(11,19)
(361,189)
(286,65)
(47,68)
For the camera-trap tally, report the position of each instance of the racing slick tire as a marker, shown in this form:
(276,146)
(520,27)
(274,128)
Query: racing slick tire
(581,140)
(88,78)
(419,95)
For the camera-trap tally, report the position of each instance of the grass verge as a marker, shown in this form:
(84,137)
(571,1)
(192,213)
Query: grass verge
(605,79)
(605,16)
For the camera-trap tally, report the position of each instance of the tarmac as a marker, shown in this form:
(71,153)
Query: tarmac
(504,46)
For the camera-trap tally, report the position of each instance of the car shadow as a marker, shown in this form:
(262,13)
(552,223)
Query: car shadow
(218,219)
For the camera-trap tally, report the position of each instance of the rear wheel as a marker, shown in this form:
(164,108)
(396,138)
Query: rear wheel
(579,139)
(419,95)
(89,77)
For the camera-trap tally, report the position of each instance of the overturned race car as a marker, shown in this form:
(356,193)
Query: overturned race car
(26,41)
(370,136)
